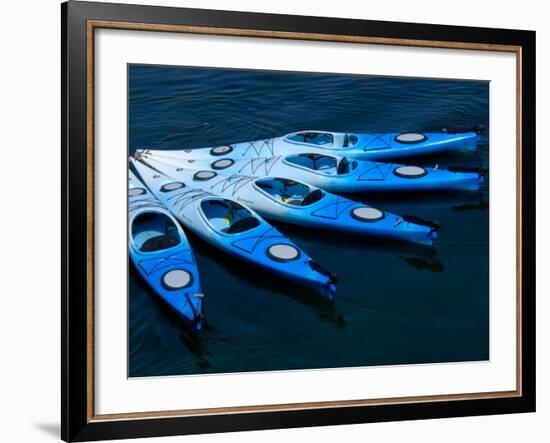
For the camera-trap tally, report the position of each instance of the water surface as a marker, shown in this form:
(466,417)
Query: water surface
(396,303)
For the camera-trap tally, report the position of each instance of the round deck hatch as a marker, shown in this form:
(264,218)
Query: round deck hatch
(410,137)
(410,171)
(176,279)
(367,214)
(222,164)
(172,186)
(136,191)
(283,252)
(221,150)
(204,175)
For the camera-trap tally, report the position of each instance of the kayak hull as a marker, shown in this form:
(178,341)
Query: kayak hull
(363,176)
(331,212)
(379,147)
(172,272)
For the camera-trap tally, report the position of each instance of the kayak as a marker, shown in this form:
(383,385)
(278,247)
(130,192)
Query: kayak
(162,255)
(291,201)
(352,145)
(340,174)
(237,230)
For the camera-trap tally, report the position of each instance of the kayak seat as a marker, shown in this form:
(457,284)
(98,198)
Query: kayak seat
(312,197)
(316,162)
(343,166)
(223,204)
(159,242)
(244,224)
(294,202)
(318,138)
(286,181)
(308,135)
(264,185)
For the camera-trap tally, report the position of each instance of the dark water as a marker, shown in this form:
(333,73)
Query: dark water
(396,303)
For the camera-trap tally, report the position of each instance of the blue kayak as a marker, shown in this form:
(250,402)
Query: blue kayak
(338,174)
(162,255)
(237,230)
(355,146)
(287,200)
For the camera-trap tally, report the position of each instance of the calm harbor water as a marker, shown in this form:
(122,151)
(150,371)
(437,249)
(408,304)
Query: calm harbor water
(395,303)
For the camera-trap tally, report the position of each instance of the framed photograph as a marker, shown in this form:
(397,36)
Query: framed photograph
(277,221)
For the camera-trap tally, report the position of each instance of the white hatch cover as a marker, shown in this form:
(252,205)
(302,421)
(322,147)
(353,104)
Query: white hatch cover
(222,164)
(365,213)
(171,186)
(410,137)
(136,191)
(204,175)
(283,252)
(410,171)
(177,279)
(221,150)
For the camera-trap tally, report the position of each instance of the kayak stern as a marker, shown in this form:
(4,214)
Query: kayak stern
(323,281)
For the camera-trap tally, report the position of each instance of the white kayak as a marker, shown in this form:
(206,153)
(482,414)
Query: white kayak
(286,200)
(237,230)
(352,145)
(162,255)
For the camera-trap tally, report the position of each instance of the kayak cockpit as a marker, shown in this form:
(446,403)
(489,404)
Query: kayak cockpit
(154,231)
(326,164)
(289,192)
(323,139)
(228,216)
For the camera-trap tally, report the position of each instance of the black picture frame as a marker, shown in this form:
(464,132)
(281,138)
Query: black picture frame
(77,423)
